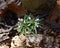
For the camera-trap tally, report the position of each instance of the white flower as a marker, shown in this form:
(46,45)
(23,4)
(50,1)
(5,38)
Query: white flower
(29,17)
(37,26)
(37,19)
(18,26)
(21,19)
(28,24)
(24,22)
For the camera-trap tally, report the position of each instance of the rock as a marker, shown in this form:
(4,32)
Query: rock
(22,37)
(30,40)
(17,41)
(33,40)
(4,46)
(4,33)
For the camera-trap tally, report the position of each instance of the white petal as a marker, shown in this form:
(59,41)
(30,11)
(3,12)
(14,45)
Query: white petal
(29,17)
(37,20)
(21,19)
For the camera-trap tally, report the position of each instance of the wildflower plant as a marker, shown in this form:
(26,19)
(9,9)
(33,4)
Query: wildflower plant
(28,25)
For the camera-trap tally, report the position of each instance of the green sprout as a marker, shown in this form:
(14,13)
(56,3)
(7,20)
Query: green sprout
(28,25)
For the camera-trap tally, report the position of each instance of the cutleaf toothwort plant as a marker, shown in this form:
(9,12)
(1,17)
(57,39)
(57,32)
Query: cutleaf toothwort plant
(28,25)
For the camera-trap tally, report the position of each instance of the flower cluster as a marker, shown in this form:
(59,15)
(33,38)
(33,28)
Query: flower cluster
(28,25)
